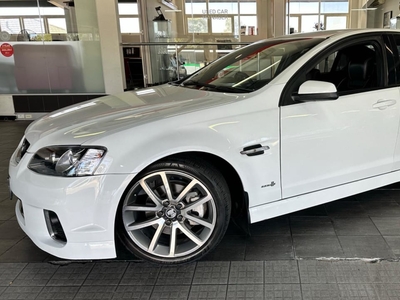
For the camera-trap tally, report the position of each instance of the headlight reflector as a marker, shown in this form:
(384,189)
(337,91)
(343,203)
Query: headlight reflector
(22,149)
(67,161)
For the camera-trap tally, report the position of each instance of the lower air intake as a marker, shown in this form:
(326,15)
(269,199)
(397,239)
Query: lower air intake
(54,226)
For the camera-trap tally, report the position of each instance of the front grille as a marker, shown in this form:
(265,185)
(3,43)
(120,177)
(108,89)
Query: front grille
(54,226)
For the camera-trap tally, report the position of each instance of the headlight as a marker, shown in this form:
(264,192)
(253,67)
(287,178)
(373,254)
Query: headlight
(67,161)
(24,145)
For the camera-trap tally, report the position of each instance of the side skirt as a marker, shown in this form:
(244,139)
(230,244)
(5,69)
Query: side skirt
(292,204)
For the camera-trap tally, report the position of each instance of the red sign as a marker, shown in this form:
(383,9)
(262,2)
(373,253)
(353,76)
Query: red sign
(6,49)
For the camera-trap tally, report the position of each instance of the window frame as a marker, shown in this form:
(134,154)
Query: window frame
(210,16)
(47,24)
(391,43)
(322,16)
(44,18)
(13,17)
(197,16)
(129,16)
(376,37)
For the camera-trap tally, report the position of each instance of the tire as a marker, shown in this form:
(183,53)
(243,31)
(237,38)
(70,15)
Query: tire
(175,211)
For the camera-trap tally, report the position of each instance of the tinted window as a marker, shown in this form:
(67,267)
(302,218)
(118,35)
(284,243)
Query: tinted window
(393,59)
(350,69)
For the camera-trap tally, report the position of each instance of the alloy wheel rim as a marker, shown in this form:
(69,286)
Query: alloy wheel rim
(169,214)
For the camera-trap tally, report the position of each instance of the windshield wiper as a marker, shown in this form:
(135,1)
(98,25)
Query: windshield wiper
(216,87)
(233,89)
(194,82)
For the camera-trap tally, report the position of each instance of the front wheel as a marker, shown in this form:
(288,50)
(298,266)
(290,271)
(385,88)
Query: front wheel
(176,211)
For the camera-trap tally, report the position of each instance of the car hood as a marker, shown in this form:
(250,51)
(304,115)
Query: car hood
(101,116)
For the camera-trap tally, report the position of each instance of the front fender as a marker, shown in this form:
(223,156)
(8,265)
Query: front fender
(218,131)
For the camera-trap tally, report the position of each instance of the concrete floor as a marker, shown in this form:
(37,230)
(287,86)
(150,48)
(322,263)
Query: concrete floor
(348,249)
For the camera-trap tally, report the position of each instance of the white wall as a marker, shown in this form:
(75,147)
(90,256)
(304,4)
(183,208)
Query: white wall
(358,18)
(390,5)
(6,105)
(111,52)
(279,17)
(87,24)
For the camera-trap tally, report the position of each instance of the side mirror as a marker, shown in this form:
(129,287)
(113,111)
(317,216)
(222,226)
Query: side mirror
(313,90)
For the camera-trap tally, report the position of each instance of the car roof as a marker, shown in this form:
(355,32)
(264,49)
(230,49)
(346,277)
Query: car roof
(343,32)
(325,34)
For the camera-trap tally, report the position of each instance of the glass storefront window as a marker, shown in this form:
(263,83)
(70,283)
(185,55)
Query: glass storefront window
(11,26)
(129,25)
(197,25)
(248,7)
(316,15)
(216,7)
(127,9)
(222,25)
(301,7)
(334,6)
(57,25)
(195,8)
(248,21)
(219,16)
(49,56)
(309,23)
(35,25)
(128,18)
(336,23)
(32,20)
(31,11)
(294,24)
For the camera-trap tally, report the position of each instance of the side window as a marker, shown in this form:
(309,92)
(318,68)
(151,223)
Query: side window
(393,60)
(325,66)
(397,41)
(353,68)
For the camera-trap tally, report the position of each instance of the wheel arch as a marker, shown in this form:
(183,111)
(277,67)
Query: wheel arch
(239,197)
(225,177)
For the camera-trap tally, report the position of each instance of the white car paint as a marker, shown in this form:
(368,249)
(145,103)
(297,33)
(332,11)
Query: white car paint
(141,127)
(313,86)
(336,142)
(184,129)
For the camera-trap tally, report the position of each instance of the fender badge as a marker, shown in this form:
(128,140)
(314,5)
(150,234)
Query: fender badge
(270,184)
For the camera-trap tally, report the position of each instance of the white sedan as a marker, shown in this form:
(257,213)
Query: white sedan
(275,127)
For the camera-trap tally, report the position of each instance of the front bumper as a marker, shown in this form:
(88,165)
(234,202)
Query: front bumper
(86,208)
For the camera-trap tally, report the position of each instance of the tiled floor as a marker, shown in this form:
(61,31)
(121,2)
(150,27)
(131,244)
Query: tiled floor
(348,249)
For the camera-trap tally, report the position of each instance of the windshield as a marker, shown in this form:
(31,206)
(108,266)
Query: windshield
(251,67)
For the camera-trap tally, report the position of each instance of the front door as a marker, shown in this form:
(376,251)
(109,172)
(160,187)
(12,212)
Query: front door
(332,142)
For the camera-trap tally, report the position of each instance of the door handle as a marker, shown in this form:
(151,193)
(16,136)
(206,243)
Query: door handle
(254,150)
(383,104)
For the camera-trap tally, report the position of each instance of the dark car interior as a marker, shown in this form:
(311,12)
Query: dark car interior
(351,68)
